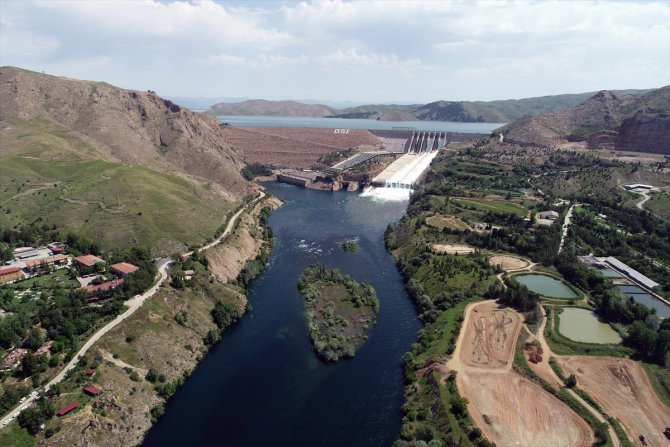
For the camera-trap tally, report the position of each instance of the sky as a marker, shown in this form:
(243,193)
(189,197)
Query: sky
(362,51)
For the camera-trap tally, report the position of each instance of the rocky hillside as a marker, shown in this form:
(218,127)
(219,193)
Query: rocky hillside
(117,165)
(274,108)
(606,120)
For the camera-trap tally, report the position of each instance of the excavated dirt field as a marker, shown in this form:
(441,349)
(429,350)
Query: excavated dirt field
(623,389)
(508,408)
(452,249)
(294,147)
(508,263)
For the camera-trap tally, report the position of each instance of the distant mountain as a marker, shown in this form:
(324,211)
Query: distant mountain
(275,108)
(605,120)
(119,166)
(501,111)
(197,103)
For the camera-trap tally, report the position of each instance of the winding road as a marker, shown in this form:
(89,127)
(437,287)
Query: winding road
(133,304)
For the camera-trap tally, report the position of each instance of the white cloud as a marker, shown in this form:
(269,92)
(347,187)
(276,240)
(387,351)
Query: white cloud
(418,49)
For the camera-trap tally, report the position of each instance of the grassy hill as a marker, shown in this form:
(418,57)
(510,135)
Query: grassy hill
(120,167)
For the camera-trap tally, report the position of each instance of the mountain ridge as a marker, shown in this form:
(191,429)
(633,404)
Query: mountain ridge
(497,111)
(606,120)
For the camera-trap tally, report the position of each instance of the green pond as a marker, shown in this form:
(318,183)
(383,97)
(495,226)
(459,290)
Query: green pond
(546,286)
(584,326)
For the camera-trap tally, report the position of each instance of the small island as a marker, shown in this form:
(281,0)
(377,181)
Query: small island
(340,311)
(349,246)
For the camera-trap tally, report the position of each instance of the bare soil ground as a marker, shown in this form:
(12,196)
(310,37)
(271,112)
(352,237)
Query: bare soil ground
(447,221)
(623,389)
(293,147)
(508,408)
(452,249)
(509,263)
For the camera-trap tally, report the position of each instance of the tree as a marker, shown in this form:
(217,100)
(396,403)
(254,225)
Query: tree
(571,381)
(31,419)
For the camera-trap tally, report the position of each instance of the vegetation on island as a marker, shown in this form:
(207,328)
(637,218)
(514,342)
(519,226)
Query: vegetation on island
(340,311)
(349,246)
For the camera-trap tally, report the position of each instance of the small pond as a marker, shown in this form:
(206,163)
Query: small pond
(609,273)
(639,295)
(546,286)
(584,326)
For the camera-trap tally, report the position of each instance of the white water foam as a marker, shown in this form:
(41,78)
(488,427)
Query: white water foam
(387,194)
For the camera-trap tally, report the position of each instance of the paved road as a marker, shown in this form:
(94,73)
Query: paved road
(566,224)
(133,304)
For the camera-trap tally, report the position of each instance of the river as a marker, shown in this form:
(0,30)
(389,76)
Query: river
(346,123)
(262,385)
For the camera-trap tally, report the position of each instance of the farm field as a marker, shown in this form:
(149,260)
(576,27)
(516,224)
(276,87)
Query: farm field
(294,147)
(509,263)
(508,408)
(447,221)
(623,389)
(494,206)
(452,249)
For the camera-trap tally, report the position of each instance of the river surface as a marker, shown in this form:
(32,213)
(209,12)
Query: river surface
(346,123)
(262,385)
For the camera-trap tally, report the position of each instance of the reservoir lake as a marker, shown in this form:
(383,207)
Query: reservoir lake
(347,123)
(262,384)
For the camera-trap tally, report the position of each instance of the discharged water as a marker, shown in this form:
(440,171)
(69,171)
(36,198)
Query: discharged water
(546,286)
(262,385)
(584,325)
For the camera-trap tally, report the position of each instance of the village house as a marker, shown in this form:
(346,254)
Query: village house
(88,260)
(8,274)
(65,410)
(13,358)
(124,268)
(92,391)
(51,261)
(44,349)
(548,215)
(105,286)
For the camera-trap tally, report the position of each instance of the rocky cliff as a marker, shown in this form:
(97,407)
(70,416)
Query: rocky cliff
(606,120)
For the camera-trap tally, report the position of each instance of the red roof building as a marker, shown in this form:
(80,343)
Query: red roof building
(51,260)
(92,391)
(105,286)
(124,268)
(44,349)
(88,260)
(90,372)
(57,249)
(65,410)
(10,274)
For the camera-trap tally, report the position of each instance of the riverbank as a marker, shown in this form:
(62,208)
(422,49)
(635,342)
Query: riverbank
(180,311)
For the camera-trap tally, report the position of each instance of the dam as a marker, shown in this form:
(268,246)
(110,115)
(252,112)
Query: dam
(398,179)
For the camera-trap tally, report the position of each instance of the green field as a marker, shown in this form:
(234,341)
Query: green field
(15,436)
(494,206)
(115,204)
(59,278)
